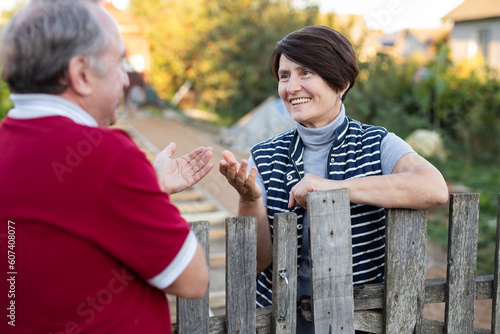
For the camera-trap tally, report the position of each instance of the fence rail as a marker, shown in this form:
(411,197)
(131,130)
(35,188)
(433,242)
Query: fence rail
(395,306)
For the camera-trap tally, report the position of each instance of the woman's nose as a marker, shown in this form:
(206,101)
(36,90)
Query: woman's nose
(293,85)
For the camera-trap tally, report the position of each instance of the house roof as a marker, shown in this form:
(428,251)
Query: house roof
(423,36)
(474,10)
(426,36)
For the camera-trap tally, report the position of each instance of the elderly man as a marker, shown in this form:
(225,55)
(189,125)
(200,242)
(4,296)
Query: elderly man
(93,241)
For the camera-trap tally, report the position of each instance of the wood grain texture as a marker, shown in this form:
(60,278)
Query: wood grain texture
(462,263)
(192,314)
(285,262)
(406,239)
(331,261)
(495,318)
(241,264)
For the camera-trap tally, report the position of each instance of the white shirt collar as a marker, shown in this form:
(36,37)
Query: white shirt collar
(30,106)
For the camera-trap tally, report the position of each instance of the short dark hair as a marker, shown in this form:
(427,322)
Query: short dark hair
(324,51)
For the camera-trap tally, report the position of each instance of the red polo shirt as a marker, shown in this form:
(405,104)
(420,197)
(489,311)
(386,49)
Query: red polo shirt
(91,228)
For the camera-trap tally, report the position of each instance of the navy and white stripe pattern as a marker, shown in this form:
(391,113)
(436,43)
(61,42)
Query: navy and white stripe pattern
(354,153)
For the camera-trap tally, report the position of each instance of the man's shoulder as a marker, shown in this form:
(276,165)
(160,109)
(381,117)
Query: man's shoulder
(105,144)
(97,136)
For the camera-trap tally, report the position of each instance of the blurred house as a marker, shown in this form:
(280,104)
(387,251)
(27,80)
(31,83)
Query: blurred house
(138,60)
(408,42)
(476,31)
(399,45)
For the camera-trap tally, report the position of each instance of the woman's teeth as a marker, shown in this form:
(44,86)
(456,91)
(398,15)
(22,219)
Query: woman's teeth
(300,101)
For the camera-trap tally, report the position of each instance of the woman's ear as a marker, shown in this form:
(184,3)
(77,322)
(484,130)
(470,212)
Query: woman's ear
(345,89)
(79,76)
(342,93)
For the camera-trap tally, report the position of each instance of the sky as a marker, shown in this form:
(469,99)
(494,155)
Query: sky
(386,15)
(394,15)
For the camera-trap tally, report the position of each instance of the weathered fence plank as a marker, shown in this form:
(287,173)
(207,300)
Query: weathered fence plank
(192,315)
(438,327)
(370,297)
(241,264)
(331,261)
(495,318)
(462,263)
(284,273)
(406,239)
(262,322)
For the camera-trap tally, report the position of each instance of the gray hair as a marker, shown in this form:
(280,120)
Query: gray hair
(40,41)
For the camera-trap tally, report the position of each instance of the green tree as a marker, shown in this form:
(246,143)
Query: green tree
(222,47)
(243,39)
(174,28)
(384,95)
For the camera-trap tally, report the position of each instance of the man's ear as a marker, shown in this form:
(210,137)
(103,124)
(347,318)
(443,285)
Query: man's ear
(79,75)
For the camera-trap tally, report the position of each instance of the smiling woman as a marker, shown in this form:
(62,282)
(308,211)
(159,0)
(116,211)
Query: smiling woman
(312,87)
(315,68)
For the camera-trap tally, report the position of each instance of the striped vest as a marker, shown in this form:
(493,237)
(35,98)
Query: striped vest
(355,153)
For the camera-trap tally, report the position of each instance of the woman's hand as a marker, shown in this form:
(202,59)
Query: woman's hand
(298,194)
(250,204)
(238,177)
(175,175)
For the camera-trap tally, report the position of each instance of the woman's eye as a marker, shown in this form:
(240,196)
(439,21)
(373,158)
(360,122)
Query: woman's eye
(283,77)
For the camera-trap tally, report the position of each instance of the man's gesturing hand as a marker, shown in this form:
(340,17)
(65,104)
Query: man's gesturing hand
(175,175)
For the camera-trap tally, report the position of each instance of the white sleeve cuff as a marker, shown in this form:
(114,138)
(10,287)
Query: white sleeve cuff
(178,264)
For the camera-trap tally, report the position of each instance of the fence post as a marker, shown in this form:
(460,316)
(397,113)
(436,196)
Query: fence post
(241,267)
(462,263)
(495,319)
(406,238)
(331,261)
(284,313)
(192,314)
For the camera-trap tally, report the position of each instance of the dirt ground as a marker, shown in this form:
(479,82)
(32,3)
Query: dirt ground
(187,136)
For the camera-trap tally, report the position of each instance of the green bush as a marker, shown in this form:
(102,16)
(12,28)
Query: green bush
(5,104)
(462,102)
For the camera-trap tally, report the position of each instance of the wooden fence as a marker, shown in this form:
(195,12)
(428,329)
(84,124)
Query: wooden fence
(395,306)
